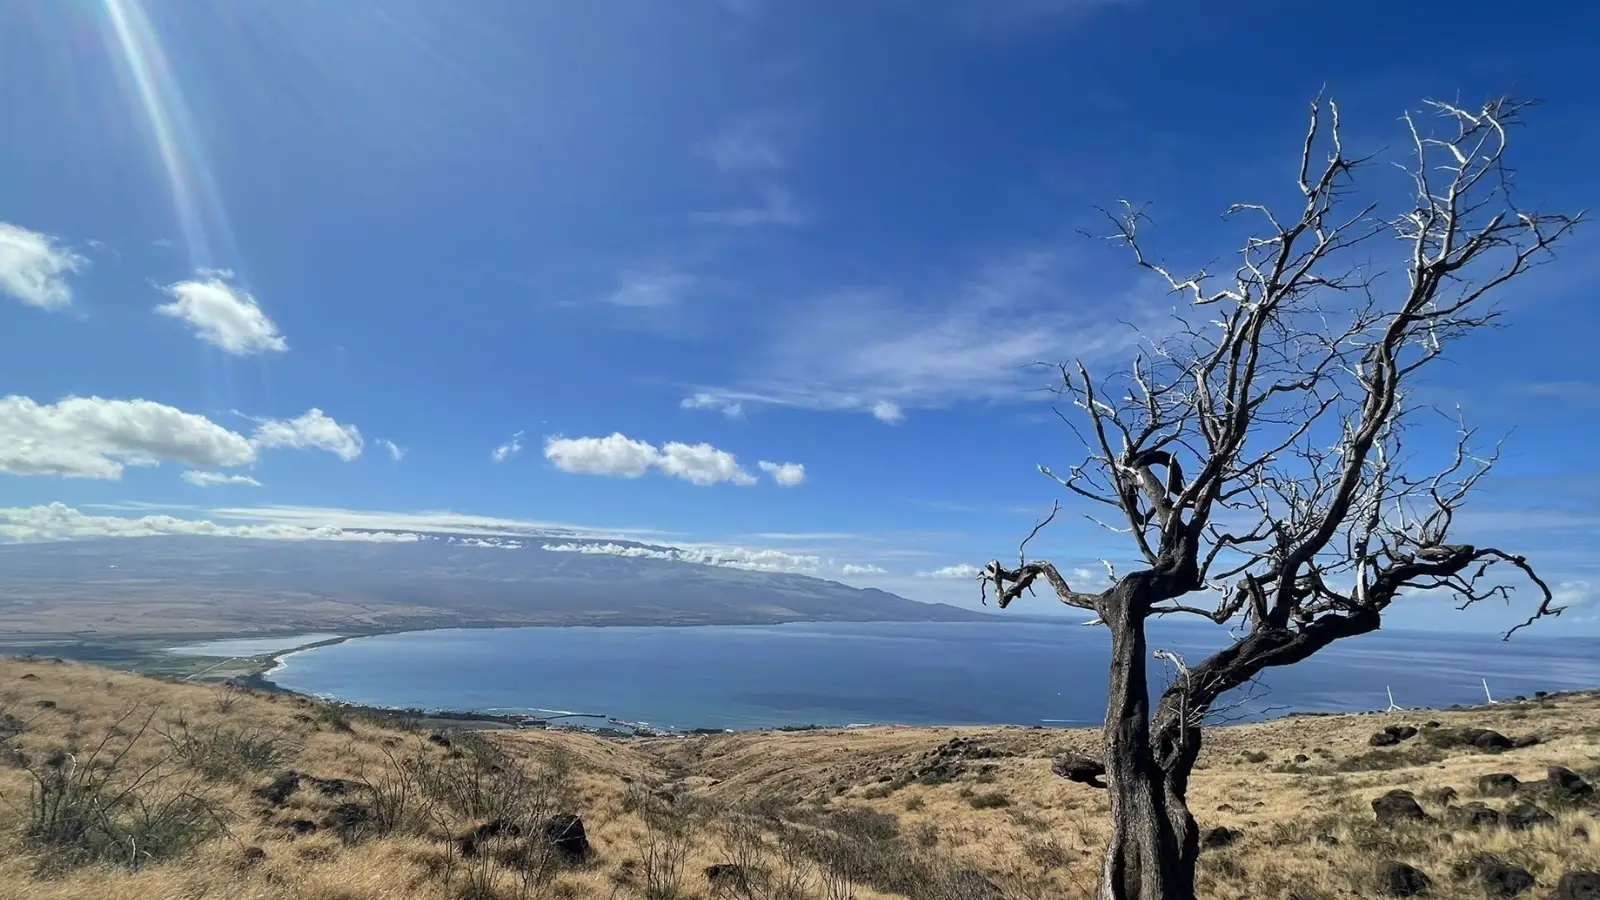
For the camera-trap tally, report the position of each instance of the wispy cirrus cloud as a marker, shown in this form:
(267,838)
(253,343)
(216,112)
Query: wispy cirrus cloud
(759,141)
(733,409)
(201,478)
(510,448)
(884,351)
(775,206)
(649,289)
(34,267)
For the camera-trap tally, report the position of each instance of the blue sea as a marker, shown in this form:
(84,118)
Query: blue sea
(1004,672)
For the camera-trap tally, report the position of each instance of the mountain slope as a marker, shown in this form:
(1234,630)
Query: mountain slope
(191,585)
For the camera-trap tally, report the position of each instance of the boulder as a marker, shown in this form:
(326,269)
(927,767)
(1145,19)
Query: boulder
(349,819)
(1525,815)
(565,833)
(1499,784)
(1527,740)
(1383,739)
(1486,740)
(1301,758)
(280,789)
(1568,784)
(1443,796)
(300,826)
(1396,807)
(1431,723)
(1402,732)
(1473,815)
(1221,836)
(727,877)
(1081,769)
(468,843)
(1578,886)
(331,787)
(1397,879)
(1505,881)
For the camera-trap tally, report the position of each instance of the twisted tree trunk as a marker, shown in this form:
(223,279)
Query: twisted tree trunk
(1154,842)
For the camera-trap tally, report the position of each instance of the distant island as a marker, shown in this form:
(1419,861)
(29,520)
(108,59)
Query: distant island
(120,598)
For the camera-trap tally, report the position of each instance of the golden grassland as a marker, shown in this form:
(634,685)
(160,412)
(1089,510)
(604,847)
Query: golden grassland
(116,785)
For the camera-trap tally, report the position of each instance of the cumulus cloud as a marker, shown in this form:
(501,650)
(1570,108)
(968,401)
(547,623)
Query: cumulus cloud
(702,464)
(852,569)
(92,437)
(211,479)
(884,411)
(963,570)
(58,522)
(508,449)
(785,474)
(223,315)
(313,429)
(733,409)
(619,456)
(396,452)
(725,557)
(34,267)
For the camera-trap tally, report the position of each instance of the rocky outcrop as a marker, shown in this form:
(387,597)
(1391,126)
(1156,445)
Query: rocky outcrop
(566,834)
(1081,769)
(1398,807)
(1397,879)
(1499,784)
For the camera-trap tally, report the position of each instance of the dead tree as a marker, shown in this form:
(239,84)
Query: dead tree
(1258,462)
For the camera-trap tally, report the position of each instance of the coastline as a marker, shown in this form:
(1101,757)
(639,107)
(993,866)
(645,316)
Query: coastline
(260,678)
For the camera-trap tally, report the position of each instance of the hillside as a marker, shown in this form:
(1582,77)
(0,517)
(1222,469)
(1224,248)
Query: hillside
(202,586)
(117,785)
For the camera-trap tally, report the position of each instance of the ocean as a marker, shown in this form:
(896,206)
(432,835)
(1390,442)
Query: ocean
(1005,672)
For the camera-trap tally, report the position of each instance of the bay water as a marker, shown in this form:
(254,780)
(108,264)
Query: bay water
(1023,672)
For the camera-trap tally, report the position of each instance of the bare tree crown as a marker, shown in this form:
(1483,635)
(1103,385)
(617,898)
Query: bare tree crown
(1257,451)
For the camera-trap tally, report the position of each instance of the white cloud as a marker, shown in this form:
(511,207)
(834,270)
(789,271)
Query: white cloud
(58,522)
(91,437)
(1576,595)
(440,521)
(313,429)
(962,570)
(849,569)
(508,449)
(649,290)
(396,452)
(777,207)
(733,409)
(34,267)
(887,350)
(785,474)
(726,557)
(884,411)
(753,142)
(210,479)
(702,464)
(619,456)
(223,315)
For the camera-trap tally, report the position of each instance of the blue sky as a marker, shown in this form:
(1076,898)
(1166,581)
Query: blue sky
(346,252)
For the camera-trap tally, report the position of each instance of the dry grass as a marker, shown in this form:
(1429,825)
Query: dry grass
(154,791)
